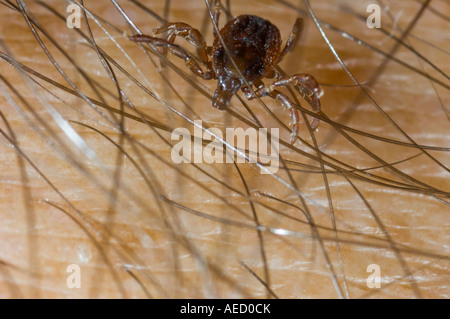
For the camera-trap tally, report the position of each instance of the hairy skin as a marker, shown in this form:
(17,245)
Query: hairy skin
(155,233)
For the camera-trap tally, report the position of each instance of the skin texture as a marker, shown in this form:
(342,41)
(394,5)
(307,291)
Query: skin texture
(138,225)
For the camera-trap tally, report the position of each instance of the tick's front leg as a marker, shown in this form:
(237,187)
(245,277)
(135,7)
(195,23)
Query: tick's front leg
(177,51)
(285,101)
(307,87)
(187,32)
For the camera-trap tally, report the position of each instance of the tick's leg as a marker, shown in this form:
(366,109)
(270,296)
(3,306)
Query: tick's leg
(308,88)
(285,101)
(217,10)
(177,51)
(187,32)
(209,51)
(294,38)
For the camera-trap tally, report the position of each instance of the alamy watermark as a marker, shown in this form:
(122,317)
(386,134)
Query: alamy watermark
(74,18)
(74,279)
(248,145)
(374,280)
(374,20)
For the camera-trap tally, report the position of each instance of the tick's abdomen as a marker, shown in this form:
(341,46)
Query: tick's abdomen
(254,44)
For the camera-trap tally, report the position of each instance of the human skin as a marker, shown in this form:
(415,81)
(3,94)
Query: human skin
(139,225)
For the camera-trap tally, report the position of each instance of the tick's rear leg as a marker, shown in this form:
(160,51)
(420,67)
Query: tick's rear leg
(307,87)
(177,51)
(285,101)
(293,39)
(217,10)
(187,32)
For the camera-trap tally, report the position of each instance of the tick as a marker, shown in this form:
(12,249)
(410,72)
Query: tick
(246,50)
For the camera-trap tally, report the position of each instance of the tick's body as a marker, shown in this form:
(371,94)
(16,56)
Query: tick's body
(252,51)
(253,43)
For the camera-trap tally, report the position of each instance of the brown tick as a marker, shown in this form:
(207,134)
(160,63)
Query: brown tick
(252,51)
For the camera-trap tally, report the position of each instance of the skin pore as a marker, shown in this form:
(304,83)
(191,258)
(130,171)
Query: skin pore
(87,176)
